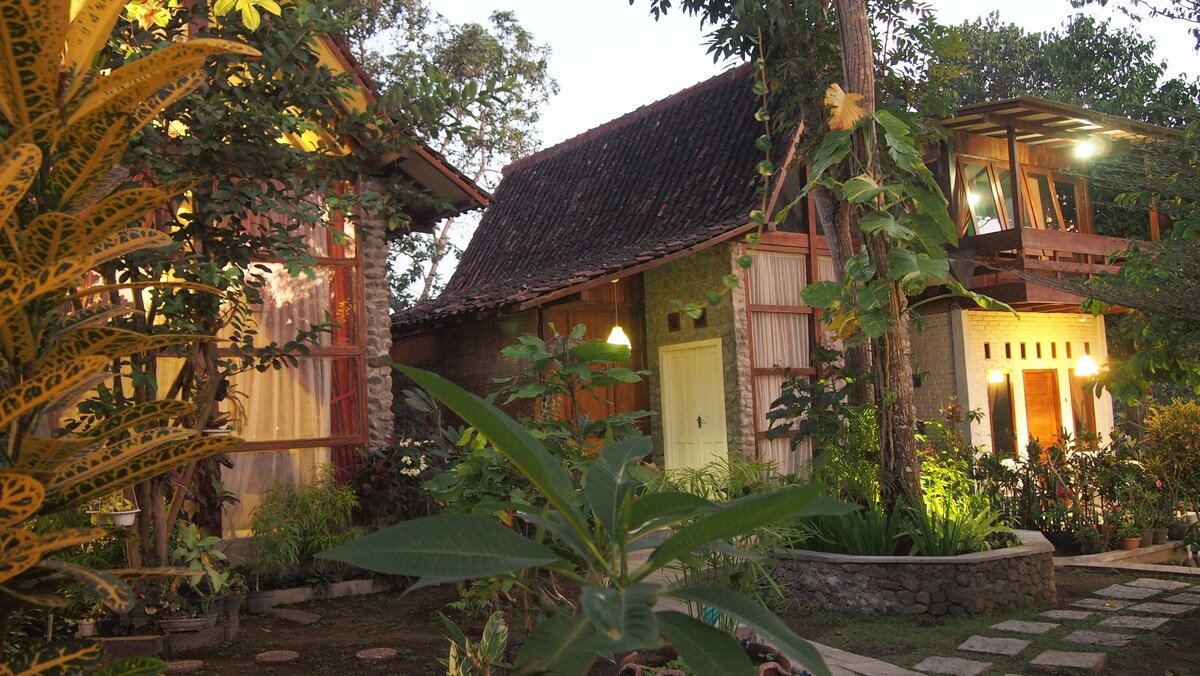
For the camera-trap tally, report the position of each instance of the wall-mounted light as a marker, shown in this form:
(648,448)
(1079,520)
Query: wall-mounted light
(1086,367)
(1086,149)
(617,335)
(994,376)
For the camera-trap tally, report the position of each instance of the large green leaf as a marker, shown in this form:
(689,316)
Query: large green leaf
(554,648)
(449,547)
(622,616)
(607,487)
(740,517)
(510,439)
(764,623)
(705,649)
(656,510)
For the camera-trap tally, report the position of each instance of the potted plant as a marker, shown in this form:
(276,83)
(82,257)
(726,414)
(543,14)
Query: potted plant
(113,508)
(235,593)
(1128,534)
(198,553)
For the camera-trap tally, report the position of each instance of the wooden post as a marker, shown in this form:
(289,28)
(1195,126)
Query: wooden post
(1014,178)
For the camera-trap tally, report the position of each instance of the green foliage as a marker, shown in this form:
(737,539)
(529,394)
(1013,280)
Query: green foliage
(1171,451)
(292,525)
(198,553)
(389,482)
(871,531)
(477,658)
(615,612)
(944,531)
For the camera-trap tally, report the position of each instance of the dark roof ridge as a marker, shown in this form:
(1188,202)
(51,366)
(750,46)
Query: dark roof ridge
(626,119)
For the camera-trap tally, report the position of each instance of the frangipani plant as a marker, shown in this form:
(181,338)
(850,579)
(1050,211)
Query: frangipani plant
(597,547)
(67,126)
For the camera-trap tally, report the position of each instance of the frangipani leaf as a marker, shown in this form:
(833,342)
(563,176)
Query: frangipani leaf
(705,649)
(622,617)
(606,486)
(111,591)
(450,547)
(20,497)
(554,647)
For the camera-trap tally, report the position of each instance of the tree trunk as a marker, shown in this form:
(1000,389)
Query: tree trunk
(892,364)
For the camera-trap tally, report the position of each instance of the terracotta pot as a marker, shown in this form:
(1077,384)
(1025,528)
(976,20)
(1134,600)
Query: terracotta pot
(1131,543)
(1160,536)
(1147,537)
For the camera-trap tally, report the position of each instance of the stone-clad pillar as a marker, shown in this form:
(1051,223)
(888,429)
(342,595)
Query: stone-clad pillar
(380,420)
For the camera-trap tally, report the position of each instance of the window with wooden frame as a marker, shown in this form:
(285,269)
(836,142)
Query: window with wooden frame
(985,202)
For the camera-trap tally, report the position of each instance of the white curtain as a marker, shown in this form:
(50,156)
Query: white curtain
(287,403)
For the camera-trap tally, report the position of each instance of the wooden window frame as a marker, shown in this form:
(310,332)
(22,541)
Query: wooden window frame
(965,215)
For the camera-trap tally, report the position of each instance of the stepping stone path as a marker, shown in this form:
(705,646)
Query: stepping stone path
(297,616)
(277,657)
(376,654)
(1107,605)
(1134,622)
(1165,585)
(953,666)
(1067,614)
(1190,599)
(184,666)
(1163,608)
(1099,638)
(1022,627)
(1009,647)
(1121,591)
(1059,659)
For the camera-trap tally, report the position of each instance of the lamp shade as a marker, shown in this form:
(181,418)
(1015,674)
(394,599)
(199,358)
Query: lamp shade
(618,337)
(1086,367)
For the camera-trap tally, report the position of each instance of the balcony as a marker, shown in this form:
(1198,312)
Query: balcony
(999,264)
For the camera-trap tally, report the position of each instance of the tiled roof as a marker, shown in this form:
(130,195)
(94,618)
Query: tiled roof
(656,181)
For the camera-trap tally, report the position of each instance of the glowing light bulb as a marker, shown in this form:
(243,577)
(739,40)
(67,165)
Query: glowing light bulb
(995,376)
(618,337)
(1086,149)
(1086,367)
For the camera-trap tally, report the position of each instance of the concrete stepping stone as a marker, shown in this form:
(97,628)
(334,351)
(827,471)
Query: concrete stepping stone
(277,657)
(1061,660)
(376,654)
(1135,622)
(1165,585)
(1163,608)
(1066,614)
(1107,605)
(1099,638)
(184,666)
(297,616)
(1121,591)
(953,666)
(1009,647)
(1023,627)
(1190,599)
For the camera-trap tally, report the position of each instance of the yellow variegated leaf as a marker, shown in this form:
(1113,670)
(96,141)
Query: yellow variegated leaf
(90,316)
(45,600)
(111,591)
(126,241)
(120,210)
(104,459)
(100,189)
(17,343)
(19,287)
(170,455)
(844,109)
(41,456)
(149,108)
(89,31)
(19,169)
(88,150)
(139,414)
(51,236)
(31,39)
(67,656)
(105,289)
(68,537)
(4,668)
(20,497)
(157,70)
(109,342)
(17,552)
(46,387)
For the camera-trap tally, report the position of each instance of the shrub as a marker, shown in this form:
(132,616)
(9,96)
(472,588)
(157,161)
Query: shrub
(293,524)
(1173,448)
(868,532)
(944,532)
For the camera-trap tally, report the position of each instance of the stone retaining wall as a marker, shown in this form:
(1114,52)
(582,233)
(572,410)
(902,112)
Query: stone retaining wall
(914,585)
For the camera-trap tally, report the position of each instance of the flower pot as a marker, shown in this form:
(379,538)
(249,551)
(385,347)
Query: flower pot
(233,603)
(1160,536)
(1147,537)
(183,624)
(86,628)
(1177,530)
(1131,543)
(259,603)
(123,519)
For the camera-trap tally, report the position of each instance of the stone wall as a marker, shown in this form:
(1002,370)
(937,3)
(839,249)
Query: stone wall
(380,422)
(915,585)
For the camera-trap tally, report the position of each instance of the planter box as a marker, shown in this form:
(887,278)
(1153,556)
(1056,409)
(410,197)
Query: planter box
(914,585)
(294,595)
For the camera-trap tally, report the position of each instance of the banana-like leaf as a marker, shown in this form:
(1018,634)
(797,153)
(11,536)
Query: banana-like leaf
(88,150)
(133,666)
(106,458)
(31,38)
(704,649)
(622,616)
(68,656)
(764,623)
(19,169)
(166,457)
(47,386)
(108,342)
(554,648)
(90,316)
(139,414)
(608,489)
(155,71)
(511,439)
(449,546)
(18,552)
(20,497)
(87,35)
(42,456)
(110,590)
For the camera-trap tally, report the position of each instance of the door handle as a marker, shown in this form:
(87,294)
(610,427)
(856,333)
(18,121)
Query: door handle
(699,421)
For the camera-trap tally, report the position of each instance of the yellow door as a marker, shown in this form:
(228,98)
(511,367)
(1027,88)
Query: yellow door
(693,404)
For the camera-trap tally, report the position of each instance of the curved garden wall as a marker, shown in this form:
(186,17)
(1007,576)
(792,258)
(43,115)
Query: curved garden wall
(914,585)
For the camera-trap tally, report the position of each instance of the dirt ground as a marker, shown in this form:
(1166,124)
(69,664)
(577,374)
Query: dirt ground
(410,625)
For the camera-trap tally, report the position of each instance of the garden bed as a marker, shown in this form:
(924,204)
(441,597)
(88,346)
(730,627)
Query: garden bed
(913,585)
